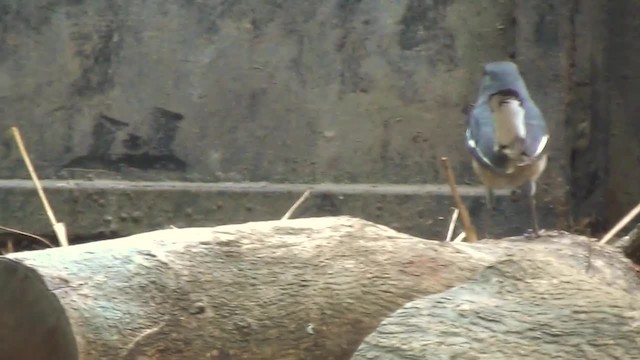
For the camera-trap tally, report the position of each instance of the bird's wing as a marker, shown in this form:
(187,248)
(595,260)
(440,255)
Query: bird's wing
(480,136)
(537,132)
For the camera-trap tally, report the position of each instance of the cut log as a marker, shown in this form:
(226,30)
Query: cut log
(528,305)
(295,289)
(630,244)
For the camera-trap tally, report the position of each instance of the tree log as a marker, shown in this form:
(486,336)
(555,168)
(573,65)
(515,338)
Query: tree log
(630,244)
(530,304)
(296,289)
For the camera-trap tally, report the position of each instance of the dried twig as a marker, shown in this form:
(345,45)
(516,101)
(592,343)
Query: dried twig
(10,247)
(469,229)
(58,228)
(296,204)
(45,241)
(622,223)
(452,224)
(589,254)
(460,237)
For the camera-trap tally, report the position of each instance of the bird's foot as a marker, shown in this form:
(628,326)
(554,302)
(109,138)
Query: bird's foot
(554,233)
(514,196)
(532,234)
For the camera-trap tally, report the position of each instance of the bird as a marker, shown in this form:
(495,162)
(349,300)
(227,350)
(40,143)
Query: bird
(507,135)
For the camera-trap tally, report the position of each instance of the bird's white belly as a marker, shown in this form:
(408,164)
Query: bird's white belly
(509,123)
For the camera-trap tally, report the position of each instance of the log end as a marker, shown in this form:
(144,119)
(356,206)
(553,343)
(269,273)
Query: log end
(33,323)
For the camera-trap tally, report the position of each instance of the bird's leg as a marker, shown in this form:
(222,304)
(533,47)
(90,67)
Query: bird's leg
(532,205)
(489,199)
(488,221)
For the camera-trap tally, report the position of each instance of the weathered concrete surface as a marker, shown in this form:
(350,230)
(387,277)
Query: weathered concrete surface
(623,75)
(101,209)
(298,91)
(588,121)
(343,91)
(602,122)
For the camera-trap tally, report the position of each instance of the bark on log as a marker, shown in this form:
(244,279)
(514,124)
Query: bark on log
(297,289)
(630,244)
(530,304)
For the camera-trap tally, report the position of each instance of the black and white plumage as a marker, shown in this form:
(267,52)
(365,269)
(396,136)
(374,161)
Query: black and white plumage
(507,135)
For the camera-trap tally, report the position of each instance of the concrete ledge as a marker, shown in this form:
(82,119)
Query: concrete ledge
(324,188)
(103,208)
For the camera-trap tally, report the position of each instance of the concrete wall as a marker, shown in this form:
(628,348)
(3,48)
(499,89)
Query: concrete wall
(298,91)
(288,91)
(603,128)
(622,71)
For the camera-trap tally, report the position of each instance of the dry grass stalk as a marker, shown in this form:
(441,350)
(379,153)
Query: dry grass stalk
(33,236)
(58,227)
(622,223)
(469,229)
(452,224)
(460,237)
(293,208)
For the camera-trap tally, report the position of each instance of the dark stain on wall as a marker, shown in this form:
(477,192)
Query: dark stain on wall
(350,46)
(153,152)
(97,54)
(297,62)
(105,131)
(423,30)
(546,29)
(346,10)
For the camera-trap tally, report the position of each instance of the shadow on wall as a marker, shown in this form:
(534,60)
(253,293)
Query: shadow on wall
(153,150)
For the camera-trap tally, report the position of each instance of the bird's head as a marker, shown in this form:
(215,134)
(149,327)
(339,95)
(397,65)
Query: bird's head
(503,79)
